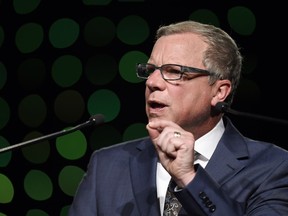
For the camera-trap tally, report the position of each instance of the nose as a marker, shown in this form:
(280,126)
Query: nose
(155,81)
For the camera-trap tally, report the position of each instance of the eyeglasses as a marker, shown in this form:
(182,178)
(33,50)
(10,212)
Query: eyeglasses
(168,71)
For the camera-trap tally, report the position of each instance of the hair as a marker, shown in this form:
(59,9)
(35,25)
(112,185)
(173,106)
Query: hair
(222,56)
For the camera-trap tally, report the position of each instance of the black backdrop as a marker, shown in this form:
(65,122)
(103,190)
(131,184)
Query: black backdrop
(267,45)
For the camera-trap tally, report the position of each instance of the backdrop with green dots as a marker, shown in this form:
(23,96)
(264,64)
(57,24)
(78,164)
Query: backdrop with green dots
(63,61)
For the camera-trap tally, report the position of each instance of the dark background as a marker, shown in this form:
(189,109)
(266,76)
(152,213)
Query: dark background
(267,44)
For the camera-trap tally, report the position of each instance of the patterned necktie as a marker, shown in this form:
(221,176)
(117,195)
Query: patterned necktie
(172,206)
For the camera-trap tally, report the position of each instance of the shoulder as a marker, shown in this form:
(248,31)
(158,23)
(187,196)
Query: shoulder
(271,150)
(124,148)
(237,142)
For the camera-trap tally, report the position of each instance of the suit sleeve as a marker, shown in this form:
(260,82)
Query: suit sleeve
(84,203)
(204,197)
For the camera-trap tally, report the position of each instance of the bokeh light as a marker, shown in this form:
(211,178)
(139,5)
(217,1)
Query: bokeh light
(64,61)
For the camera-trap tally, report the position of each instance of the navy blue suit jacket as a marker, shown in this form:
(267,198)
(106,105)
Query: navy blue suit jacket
(243,177)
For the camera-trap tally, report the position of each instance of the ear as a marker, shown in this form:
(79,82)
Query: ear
(221,89)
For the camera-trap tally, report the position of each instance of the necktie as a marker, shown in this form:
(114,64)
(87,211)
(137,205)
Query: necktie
(172,206)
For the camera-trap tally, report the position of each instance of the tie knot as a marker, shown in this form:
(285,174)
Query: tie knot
(196,155)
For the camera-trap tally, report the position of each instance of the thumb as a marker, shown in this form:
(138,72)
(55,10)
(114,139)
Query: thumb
(153,132)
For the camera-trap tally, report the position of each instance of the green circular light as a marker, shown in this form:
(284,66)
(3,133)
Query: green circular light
(38,185)
(32,110)
(135,131)
(67,184)
(133,30)
(242,20)
(25,7)
(64,210)
(101,69)
(63,33)
(63,103)
(66,70)
(106,102)
(29,37)
(36,212)
(72,146)
(99,31)
(205,16)
(37,153)
(6,188)
(127,65)
(5,157)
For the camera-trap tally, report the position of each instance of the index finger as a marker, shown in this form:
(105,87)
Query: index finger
(161,124)
(156,127)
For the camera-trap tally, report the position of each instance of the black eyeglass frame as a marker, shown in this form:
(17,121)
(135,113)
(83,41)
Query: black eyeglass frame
(183,69)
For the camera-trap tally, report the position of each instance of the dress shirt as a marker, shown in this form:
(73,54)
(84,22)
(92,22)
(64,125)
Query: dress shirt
(205,146)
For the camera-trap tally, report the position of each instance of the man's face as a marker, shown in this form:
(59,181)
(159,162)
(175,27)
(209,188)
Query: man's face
(186,101)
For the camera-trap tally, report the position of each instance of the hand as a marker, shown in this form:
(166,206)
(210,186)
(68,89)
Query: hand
(175,148)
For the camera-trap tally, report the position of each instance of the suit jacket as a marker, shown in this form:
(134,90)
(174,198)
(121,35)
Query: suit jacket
(243,177)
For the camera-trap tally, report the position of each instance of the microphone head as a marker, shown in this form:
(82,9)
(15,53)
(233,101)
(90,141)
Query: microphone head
(97,119)
(221,107)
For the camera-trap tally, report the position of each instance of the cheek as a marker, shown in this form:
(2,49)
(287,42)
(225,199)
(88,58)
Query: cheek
(147,92)
(198,97)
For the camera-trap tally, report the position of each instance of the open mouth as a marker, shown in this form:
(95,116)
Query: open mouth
(156,105)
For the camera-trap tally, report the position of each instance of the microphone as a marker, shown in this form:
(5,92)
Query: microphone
(93,120)
(224,108)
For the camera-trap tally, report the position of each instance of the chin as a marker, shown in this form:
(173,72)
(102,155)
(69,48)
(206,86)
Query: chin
(154,116)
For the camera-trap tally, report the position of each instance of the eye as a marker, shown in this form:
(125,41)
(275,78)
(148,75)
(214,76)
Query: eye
(149,69)
(172,69)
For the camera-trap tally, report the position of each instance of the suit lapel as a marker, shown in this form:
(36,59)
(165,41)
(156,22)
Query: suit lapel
(143,177)
(229,157)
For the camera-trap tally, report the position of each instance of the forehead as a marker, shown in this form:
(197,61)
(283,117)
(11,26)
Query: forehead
(184,48)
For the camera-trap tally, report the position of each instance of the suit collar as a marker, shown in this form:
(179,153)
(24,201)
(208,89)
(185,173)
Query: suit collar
(143,177)
(230,155)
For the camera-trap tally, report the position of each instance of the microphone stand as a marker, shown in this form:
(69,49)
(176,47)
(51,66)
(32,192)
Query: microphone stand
(224,107)
(260,117)
(94,120)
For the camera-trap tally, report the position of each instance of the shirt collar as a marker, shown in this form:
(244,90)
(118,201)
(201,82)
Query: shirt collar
(207,144)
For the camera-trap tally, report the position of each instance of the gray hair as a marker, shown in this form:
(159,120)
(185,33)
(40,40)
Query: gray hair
(222,55)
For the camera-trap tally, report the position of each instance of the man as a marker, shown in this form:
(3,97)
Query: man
(193,149)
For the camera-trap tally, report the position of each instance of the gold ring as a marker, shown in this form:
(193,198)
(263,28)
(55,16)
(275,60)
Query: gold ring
(177,134)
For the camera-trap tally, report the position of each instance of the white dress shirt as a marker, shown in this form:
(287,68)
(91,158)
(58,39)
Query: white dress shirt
(205,146)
